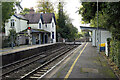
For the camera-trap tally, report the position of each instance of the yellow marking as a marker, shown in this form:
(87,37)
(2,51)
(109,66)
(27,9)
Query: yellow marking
(74,53)
(102,45)
(70,70)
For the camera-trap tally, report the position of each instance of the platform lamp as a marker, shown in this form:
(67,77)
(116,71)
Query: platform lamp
(0,24)
(97,30)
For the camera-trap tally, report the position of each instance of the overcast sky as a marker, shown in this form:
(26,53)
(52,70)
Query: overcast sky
(71,7)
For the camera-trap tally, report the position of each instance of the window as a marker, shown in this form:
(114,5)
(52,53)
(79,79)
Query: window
(40,25)
(52,24)
(52,35)
(12,23)
(46,25)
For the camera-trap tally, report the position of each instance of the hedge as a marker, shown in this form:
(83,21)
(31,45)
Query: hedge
(115,51)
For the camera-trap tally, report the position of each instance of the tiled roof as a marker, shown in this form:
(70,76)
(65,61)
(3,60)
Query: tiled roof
(45,17)
(33,18)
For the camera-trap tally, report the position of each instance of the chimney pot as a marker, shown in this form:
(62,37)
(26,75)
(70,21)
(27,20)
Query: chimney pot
(32,11)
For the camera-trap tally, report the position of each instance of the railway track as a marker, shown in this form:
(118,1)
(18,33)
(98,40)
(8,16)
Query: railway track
(17,65)
(23,69)
(39,71)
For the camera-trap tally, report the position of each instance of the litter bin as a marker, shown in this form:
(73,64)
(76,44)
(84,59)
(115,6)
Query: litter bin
(102,47)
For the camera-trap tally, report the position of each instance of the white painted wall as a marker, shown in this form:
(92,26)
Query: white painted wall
(94,38)
(106,48)
(23,25)
(103,36)
(22,39)
(18,9)
(19,25)
(50,29)
(53,29)
(34,26)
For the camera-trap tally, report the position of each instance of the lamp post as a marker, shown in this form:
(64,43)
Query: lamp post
(0,25)
(97,30)
(0,16)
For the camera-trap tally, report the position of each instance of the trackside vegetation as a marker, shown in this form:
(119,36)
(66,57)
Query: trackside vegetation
(108,17)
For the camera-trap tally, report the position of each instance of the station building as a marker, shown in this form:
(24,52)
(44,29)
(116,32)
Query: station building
(43,27)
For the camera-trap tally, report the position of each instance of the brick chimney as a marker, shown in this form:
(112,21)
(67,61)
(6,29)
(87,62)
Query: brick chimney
(32,11)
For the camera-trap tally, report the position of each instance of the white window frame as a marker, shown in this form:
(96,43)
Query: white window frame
(12,23)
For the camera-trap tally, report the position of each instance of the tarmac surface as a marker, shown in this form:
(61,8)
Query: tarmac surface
(85,63)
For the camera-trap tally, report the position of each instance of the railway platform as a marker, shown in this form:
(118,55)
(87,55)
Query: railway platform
(21,48)
(84,63)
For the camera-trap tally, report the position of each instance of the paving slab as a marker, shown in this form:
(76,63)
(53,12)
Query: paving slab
(90,64)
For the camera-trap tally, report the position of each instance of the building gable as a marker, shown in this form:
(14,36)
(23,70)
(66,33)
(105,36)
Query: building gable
(47,18)
(18,16)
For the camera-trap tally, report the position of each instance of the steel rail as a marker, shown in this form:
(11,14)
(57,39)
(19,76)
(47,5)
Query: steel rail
(27,63)
(41,66)
(21,60)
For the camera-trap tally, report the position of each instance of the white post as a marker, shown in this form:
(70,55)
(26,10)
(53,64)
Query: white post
(30,39)
(106,48)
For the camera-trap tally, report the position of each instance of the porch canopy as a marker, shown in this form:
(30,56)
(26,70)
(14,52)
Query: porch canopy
(34,31)
(39,36)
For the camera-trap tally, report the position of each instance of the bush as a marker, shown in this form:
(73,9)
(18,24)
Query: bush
(108,42)
(7,40)
(115,51)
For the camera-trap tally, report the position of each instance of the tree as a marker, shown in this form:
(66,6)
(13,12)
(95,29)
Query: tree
(79,35)
(7,11)
(12,36)
(89,10)
(108,16)
(25,11)
(65,26)
(10,40)
(45,6)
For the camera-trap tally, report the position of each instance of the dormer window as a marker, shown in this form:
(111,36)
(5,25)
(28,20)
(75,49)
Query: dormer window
(46,25)
(12,23)
(40,25)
